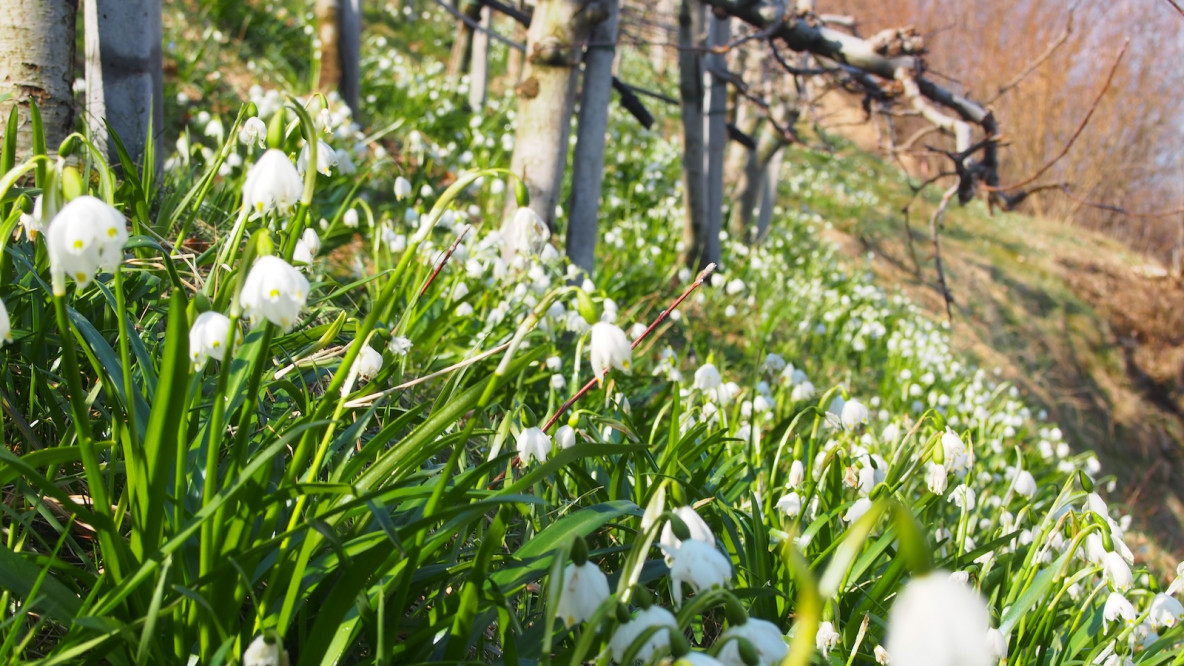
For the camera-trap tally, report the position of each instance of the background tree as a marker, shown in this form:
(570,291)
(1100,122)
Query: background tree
(124,74)
(339,27)
(37,64)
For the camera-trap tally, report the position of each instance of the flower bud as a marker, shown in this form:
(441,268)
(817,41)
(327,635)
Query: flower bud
(679,527)
(579,551)
(748,653)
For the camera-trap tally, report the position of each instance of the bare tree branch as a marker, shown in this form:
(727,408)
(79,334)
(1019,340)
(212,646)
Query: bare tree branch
(1039,60)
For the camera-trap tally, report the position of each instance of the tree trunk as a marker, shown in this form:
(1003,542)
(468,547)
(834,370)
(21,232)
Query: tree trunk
(546,97)
(462,46)
(769,181)
(691,17)
(659,36)
(749,186)
(124,74)
(717,134)
(37,63)
(339,27)
(479,65)
(587,175)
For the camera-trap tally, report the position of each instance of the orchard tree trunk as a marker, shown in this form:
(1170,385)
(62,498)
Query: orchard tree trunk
(691,19)
(339,27)
(769,181)
(546,98)
(515,57)
(717,135)
(479,65)
(462,45)
(37,64)
(749,187)
(659,37)
(588,163)
(124,75)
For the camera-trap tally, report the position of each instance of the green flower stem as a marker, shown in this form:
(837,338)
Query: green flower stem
(125,360)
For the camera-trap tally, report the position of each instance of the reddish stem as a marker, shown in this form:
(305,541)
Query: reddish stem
(440,266)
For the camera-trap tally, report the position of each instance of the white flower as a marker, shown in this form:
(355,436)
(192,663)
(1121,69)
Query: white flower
(5,325)
(565,437)
(1024,484)
(33,223)
(533,443)
(653,616)
(307,247)
(936,621)
(86,235)
(1165,612)
(262,653)
(350,218)
(936,478)
(853,415)
(402,188)
(802,391)
(698,659)
(610,349)
(1117,571)
(695,525)
(774,363)
(996,644)
(958,457)
(963,497)
(272,183)
(368,363)
(253,132)
(1117,607)
(345,163)
(699,565)
(584,589)
(790,505)
(765,637)
(326,158)
(274,291)
(826,638)
(207,337)
(881,655)
(857,509)
(797,473)
(707,378)
(399,346)
(525,234)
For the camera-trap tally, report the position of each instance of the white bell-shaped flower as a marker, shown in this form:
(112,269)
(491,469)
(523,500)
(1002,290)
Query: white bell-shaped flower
(525,234)
(707,378)
(261,652)
(368,363)
(402,188)
(1117,571)
(565,437)
(307,247)
(853,415)
(765,637)
(1119,608)
(699,565)
(1165,612)
(652,617)
(533,443)
(272,183)
(698,528)
(1024,484)
(826,638)
(326,159)
(5,325)
(207,337)
(936,621)
(253,132)
(85,236)
(610,349)
(274,291)
(584,589)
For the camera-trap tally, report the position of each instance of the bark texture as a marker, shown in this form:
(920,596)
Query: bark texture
(462,45)
(124,74)
(339,27)
(588,163)
(716,127)
(37,63)
(546,99)
(479,64)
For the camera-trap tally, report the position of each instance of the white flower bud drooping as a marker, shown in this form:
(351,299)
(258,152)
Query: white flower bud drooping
(86,235)
(207,337)
(274,291)
(272,183)
(610,349)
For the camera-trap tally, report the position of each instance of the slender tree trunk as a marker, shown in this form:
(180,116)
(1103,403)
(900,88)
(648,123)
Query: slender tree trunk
(546,98)
(587,175)
(37,63)
(124,74)
(769,182)
(339,27)
(691,18)
(660,36)
(515,57)
(717,135)
(479,65)
(350,16)
(462,45)
(748,188)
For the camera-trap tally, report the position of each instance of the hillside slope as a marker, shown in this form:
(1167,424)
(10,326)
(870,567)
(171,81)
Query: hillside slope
(1069,315)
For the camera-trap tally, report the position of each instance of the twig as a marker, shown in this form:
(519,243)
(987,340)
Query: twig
(1176,6)
(1064,187)
(476,25)
(440,265)
(941,276)
(1040,59)
(1076,133)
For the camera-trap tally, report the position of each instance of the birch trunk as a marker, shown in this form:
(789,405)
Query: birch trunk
(546,97)
(37,63)
(462,45)
(479,65)
(124,74)
(587,175)
(339,27)
(691,18)
(716,127)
